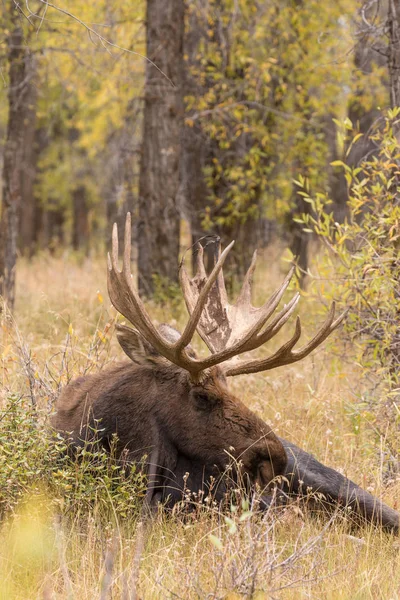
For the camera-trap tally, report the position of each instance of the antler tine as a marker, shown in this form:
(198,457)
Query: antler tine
(326,329)
(264,364)
(277,323)
(339,320)
(199,277)
(127,301)
(286,348)
(285,355)
(200,270)
(201,300)
(114,247)
(245,293)
(220,279)
(277,295)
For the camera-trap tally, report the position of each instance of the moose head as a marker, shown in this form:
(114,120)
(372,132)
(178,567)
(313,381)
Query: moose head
(171,405)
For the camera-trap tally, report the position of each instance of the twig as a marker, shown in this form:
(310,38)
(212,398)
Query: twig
(104,41)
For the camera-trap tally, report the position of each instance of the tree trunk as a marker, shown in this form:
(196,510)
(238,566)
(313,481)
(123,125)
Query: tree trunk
(29,162)
(52,228)
(13,154)
(195,145)
(159,219)
(199,151)
(40,143)
(119,194)
(80,230)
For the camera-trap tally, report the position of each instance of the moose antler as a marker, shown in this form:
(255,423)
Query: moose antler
(228,330)
(231,329)
(127,301)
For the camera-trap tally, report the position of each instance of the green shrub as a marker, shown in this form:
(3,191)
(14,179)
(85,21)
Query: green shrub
(33,458)
(363,251)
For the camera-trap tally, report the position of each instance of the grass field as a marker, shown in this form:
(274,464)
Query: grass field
(67,536)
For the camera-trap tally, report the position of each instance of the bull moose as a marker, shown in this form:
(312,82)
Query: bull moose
(176,408)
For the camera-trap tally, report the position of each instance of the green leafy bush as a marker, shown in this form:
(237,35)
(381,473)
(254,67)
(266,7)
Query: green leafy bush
(33,458)
(363,251)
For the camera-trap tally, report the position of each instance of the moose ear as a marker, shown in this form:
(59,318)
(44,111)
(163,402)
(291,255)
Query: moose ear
(134,346)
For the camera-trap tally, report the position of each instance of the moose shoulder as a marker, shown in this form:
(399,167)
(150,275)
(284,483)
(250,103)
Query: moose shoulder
(176,408)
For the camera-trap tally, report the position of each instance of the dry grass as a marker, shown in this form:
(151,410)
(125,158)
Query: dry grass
(63,327)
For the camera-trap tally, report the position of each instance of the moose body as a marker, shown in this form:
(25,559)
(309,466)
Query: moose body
(155,410)
(142,406)
(176,408)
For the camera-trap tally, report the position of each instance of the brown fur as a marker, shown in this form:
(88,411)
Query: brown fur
(156,410)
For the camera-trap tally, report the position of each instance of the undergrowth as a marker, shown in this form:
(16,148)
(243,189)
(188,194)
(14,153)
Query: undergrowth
(34,459)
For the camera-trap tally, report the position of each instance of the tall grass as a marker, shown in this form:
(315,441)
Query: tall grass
(76,529)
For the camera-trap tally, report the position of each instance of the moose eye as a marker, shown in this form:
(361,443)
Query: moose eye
(202,400)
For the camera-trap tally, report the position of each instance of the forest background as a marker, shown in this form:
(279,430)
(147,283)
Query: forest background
(242,99)
(271,123)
